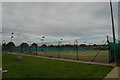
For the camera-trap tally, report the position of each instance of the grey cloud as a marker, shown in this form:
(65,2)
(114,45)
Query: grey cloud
(54,19)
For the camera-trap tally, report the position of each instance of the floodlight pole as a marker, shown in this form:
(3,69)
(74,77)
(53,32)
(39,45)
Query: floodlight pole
(107,39)
(108,48)
(59,43)
(46,48)
(43,37)
(77,48)
(12,36)
(30,48)
(11,39)
(113,29)
(42,40)
(58,49)
(3,41)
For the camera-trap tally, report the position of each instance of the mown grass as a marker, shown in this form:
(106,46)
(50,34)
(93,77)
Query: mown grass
(35,67)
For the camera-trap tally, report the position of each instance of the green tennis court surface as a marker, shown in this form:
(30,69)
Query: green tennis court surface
(35,67)
(87,56)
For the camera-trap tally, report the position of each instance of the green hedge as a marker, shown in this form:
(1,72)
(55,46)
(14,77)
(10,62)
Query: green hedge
(111,51)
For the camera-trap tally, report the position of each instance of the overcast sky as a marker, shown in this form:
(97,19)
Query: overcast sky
(30,21)
(119,21)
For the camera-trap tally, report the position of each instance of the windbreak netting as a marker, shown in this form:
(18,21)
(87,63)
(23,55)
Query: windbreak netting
(76,49)
(113,52)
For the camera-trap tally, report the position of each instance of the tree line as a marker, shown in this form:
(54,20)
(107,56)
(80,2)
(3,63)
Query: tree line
(9,45)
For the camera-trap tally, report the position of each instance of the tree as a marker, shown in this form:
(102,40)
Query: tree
(94,45)
(4,47)
(83,45)
(34,45)
(44,45)
(24,47)
(10,46)
(51,45)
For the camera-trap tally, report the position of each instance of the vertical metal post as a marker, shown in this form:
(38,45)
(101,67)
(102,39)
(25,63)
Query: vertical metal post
(113,30)
(11,40)
(58,49)
(30,49)
(3,42)
(77,48)
(108,50)
(43,37)
(36,50)
(59,46)
(46,49)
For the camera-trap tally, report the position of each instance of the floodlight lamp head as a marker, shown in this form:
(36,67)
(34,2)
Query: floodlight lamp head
(43,36)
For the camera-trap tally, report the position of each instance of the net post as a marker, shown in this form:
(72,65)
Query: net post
(108,48)
(113,30)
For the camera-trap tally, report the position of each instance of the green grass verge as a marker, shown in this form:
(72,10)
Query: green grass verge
(34,67)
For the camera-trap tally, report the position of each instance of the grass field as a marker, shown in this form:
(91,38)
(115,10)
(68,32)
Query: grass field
(35,67)
(89,54)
